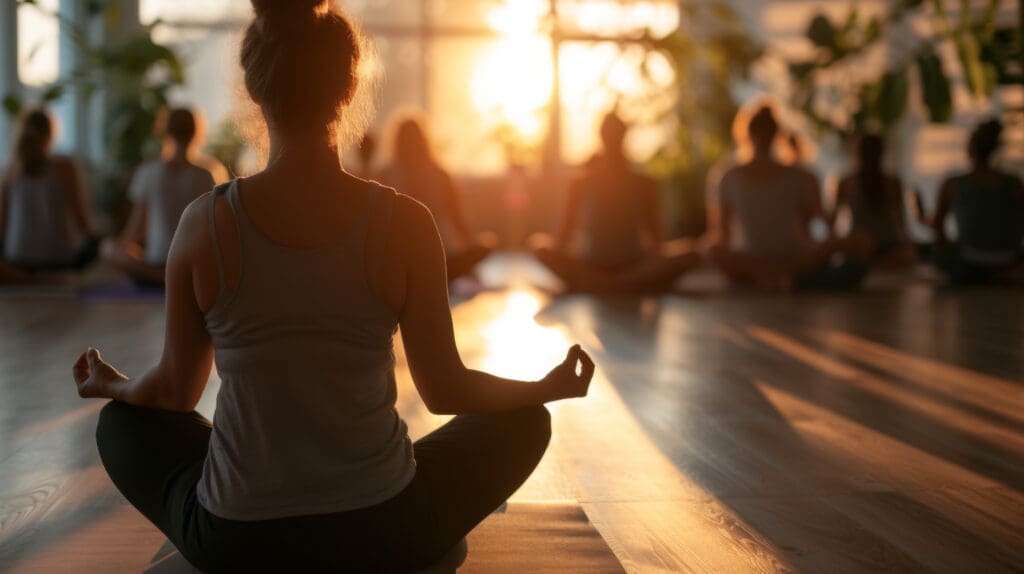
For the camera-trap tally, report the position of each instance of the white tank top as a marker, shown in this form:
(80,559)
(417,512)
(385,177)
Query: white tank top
(305,420)
(39,227)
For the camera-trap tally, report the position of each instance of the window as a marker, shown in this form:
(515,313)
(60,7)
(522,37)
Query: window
(38,43)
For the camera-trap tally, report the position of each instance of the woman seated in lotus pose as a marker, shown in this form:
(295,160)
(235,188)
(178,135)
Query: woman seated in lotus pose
(616,215)
(988,206)
(416,171)
(294,282)
(45,226)
(874,199)
(761,223)
(160,192)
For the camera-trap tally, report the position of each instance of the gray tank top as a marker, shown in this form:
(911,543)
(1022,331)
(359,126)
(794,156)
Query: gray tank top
(305,420)
(39,228)
(988,220)
(166,193)
(768,214)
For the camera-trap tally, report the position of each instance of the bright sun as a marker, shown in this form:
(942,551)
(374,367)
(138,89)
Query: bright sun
(513,81)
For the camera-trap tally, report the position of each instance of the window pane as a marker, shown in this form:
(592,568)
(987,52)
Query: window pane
(376,16)
(489,98)
(618,18)
(597,77)
(38,43)
(193,11)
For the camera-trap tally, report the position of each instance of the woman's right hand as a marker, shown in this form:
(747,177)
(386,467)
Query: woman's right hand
(564,381)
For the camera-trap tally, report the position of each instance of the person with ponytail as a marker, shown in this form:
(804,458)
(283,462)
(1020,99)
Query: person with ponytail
(160,191)
(294,282)
(874,200)
(44,221)
(760,221)
(988,207)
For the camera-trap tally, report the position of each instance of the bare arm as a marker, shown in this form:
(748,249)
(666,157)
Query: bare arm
(443,381)
(899,207)
(177,381)
(842,202)
(654,231)
(455,214)
(720,214)
(946,195)
(570,217)
(4,184)
(135,228)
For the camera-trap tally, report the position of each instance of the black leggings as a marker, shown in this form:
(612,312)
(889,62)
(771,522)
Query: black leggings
(464,471)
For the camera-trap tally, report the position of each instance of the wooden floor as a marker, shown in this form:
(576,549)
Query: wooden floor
(725,432)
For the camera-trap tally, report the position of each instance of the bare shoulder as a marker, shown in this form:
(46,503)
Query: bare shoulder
(411,217)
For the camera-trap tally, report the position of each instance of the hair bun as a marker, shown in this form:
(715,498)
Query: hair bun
(285,8)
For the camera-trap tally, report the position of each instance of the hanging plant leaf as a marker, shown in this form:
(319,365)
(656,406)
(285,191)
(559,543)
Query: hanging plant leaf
(800,71)
(892,97)
(974,69)
(12,105)
(935,88)
(822,33)
(52,93)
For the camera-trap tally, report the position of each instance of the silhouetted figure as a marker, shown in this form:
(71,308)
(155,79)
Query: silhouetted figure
(366,152)
(988,207)
(416,172)
(614,213)
(160,191)
(44,219)
(875,202)
(761,224)
(295,281)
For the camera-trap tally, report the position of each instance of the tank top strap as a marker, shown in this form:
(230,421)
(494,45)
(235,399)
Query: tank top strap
(222,189)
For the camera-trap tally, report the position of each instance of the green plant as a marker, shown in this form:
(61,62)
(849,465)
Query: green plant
(134,76)
(838,93)
(709,54)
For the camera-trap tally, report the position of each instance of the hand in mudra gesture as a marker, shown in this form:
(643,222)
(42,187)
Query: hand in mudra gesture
(572,377)
(95,378)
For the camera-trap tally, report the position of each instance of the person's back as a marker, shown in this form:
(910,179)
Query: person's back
(40,228)
(875,212)
(769,207)
(338,442)
(166,189)
(988,212)
(615,206)
(293,281)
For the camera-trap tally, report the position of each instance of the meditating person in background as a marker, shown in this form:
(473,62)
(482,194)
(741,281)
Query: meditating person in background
(760,222)
(160,191)
(875,202)
(988,207)
(44,219)
(614,213)
(294,282)
(416,172)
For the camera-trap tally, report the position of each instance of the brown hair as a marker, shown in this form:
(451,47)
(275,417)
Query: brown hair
(32,144)
(180,125)
(301,62)
(984,141)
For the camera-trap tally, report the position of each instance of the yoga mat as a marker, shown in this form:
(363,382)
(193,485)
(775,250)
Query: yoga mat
(528,537)
(121,290)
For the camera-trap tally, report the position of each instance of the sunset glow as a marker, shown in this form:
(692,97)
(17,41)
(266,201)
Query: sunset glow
(512,83)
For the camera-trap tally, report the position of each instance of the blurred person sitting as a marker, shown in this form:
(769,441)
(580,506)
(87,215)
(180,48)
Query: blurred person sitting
(160,191)
(760,223)
(875,202)
(416,171)
(988,207)
(616,214)
(45,225)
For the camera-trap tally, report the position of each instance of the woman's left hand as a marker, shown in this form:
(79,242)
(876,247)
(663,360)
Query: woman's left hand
(95,378)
